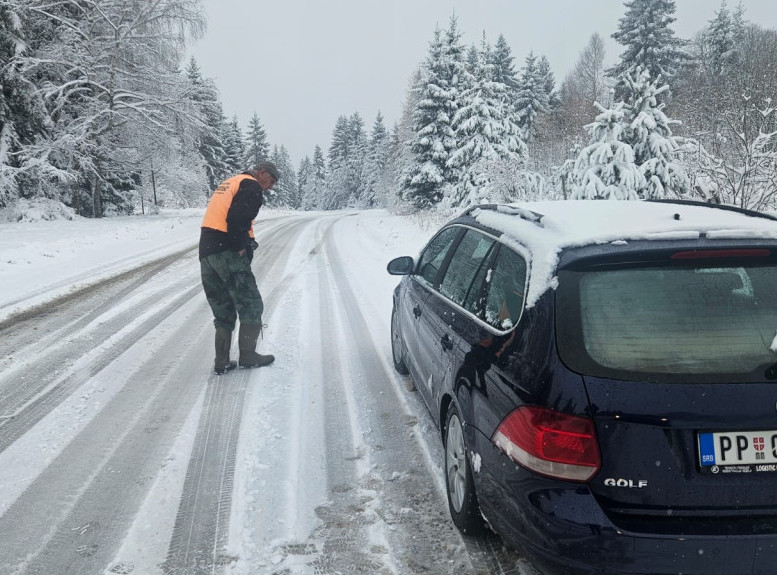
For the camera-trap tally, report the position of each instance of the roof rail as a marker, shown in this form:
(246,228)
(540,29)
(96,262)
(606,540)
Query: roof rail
(726,207)
(523,213)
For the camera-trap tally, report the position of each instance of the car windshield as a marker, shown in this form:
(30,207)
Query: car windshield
(628,323)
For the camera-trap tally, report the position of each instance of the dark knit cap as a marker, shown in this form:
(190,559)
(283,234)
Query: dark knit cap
(268,167)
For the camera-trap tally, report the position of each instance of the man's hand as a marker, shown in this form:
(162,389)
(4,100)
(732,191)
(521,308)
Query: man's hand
(242,252)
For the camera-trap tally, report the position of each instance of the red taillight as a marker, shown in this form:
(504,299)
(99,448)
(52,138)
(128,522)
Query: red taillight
(703,254)
(550,443)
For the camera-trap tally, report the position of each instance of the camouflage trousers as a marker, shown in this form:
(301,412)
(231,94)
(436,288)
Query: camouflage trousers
(230,288)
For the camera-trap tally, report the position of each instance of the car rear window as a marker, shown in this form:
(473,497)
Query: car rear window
(507,283)
(705,323)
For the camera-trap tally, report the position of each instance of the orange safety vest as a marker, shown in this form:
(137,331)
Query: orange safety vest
(218,206)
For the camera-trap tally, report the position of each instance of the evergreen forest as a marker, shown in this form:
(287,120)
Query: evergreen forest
(101,112)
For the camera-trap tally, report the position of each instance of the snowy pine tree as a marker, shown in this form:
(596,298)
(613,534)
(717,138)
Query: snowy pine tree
(649,42)
(400,154)
(487,136)
(257,148)
(548,82)
(376,164)
(355,182)
(338,149)
(503,72)
(22,116)
(454,51)
(314,189)
(472,59)
(650,136)
(337,195)
(234,147)
(503,66)
(284,193)
(738,25)
(444,78)
(304,174)
(532,98)
(434,138)
(347,153)
(210,144)
(720,41)
(605,169)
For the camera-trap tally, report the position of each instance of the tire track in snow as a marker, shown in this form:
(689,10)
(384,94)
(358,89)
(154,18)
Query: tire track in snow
(199,534)
(73,517)
(43,391)
(35,349)
(342,536)
(349,534)
(52,306)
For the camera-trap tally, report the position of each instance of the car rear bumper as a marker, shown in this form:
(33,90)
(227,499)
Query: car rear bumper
(562,526)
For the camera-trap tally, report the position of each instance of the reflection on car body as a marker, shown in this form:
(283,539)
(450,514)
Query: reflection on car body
(604,364)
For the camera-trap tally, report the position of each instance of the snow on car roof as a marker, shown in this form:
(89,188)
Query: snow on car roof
(544,229)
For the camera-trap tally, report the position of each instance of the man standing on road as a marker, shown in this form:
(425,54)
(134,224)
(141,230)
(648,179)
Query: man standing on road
(226,249)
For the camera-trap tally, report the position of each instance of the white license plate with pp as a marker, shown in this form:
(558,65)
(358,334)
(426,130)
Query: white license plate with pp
(737,448)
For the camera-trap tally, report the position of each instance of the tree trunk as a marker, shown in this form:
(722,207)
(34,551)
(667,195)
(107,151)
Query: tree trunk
(153,183)
(96,200)
(564,185)
(76,199)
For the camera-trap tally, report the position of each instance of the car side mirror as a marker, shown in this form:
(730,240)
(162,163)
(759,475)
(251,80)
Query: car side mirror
(401,266)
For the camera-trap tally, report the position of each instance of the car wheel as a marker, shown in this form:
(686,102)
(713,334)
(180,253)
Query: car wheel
(396,345)
(462,500)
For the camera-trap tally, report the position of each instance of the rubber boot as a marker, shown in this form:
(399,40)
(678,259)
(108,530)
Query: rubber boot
(223,343)
(249,333)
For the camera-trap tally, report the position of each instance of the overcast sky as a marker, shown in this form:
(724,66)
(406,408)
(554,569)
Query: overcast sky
(300,64)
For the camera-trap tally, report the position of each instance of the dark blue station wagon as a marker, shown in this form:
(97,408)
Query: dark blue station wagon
(604,377)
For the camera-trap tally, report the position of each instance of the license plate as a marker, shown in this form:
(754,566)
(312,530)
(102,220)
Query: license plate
(738,448)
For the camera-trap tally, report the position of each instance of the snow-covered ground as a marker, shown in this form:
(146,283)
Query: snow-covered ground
(322,463)
(43,260)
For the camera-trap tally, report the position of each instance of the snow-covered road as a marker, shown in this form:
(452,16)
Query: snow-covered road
(121,453)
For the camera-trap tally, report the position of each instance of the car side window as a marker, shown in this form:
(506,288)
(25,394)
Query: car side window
(506,285)
(476,298)
(433,256)
(464,265)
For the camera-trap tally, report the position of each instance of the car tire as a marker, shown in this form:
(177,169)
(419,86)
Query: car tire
(396,345)
(459,483)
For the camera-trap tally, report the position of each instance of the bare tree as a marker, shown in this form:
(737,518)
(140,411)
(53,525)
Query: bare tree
(747,176)
(563,131)
(111,84)
(587,80)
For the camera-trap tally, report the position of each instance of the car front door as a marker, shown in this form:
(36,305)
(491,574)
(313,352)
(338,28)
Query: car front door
(413,309)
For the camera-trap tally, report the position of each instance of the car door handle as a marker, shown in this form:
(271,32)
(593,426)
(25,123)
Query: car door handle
(446,342)
(417,311)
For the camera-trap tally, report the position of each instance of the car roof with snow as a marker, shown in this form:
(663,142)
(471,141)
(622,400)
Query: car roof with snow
(542,231)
